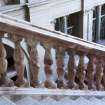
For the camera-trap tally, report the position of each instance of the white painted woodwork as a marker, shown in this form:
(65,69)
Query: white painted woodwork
(13,10)
(90,25)
(22,1)
(19,14)
(87,25)
(50,11)
(88,4)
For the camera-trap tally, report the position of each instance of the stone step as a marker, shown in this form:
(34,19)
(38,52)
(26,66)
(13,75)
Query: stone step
(27,101)
(5,101)
(62,101)
(65,100)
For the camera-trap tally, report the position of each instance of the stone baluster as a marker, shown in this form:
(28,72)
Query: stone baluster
(103,78)
(34,68)
(81,71)
(90,72)
(19,61)
(4,81)
(71,70)
(99,73)
(48,62)
(1,33)
(60,67)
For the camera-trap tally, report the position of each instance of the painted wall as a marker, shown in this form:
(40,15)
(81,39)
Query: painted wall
(89,4)
(44,15)
(19,14)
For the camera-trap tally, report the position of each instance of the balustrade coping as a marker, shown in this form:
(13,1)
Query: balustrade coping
(25,29)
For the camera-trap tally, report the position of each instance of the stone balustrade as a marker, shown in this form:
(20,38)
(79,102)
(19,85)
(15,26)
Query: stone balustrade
(81,76)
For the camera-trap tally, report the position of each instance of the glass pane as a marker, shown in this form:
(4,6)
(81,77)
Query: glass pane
(94,13)
(68,21)
(102,33)
(57,25)
(13,2)
(103,10)
(68,24)
(70,30)
(94,30)
(62,22)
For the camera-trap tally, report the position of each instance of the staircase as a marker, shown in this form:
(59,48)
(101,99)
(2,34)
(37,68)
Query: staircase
(82,83)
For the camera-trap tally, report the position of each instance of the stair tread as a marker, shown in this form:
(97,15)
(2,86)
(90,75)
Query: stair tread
(62,101)
(5,101)
(27,101)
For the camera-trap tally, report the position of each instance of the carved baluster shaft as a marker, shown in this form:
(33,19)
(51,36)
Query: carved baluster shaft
(3,64)
(99,73)
(2,33)
(81,72)
(90,72)
(19,61)
(34,68)
(60,66)
(4,81)
(48,62)
(71,70)
(103,78)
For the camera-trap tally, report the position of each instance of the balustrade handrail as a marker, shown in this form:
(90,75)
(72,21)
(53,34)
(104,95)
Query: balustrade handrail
(24,29)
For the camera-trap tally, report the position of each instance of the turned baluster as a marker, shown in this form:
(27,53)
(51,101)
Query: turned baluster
(34,68)
(81,71)
(71,69)
(60,66)
(48,62)
(2,33)
(103,78)
(90,72)
(4,81)
(19,61)
(99,73)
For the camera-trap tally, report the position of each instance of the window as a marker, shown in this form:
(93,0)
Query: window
(68,24)
(99,23)
(63,25)
(94,25)
(102,32)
